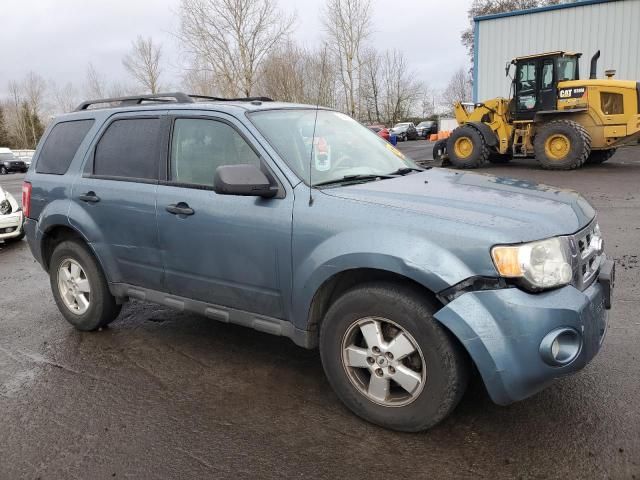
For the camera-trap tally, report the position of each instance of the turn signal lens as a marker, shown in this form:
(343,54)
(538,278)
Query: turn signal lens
(506,261)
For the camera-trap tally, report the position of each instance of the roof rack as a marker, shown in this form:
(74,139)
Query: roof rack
(175,97)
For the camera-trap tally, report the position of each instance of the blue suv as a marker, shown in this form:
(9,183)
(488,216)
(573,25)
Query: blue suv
(298,221)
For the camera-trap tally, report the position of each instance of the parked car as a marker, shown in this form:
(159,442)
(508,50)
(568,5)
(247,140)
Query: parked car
(10,163)
(404,131)
(407,279)
(10,218)
(426,128)
(380,130)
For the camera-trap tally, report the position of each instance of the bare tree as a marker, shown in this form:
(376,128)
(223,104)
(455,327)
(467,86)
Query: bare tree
(95,86)
(199,80)
(143,63)
(24,110)
(458,89)
(231,38)
(401,91)
(370,87)
(348,24)
(65,98)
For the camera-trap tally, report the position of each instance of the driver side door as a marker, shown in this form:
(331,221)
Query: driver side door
(227,250)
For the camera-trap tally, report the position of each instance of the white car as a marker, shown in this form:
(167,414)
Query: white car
(11,218)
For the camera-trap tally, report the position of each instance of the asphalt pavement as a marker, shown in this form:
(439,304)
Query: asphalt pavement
(165,394)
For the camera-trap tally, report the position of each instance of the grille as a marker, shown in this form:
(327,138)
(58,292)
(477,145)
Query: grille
(588,253)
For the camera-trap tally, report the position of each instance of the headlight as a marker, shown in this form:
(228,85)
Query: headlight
(539,265)
(5,207)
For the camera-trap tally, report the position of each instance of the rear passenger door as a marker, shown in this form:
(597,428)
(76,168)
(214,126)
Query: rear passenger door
(114,199)
(227,250)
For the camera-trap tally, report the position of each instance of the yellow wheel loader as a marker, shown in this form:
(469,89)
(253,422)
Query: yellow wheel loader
(562,121)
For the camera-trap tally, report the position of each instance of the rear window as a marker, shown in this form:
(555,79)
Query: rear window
(61,146)
(129,148)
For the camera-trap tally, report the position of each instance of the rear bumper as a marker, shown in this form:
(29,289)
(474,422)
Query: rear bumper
(10,225)
(31,230)
(503,331)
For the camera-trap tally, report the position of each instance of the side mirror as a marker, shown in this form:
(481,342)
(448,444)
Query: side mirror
(243,179)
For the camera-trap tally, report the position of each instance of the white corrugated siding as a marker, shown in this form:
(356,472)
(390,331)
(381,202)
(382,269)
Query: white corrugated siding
(612,27)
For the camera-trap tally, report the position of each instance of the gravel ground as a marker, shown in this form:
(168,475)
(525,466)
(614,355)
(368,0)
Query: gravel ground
(164,394)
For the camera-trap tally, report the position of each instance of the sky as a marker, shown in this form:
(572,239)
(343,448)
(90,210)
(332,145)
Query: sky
(58,38)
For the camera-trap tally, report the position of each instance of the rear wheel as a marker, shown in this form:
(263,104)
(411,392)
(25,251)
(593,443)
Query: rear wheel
(467,148)
(388,360)
(80,288)
(562,145)
(600,156)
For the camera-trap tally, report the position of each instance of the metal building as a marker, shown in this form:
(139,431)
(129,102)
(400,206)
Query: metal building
(612,26)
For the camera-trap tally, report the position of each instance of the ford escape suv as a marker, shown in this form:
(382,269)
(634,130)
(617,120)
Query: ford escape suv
(298,221)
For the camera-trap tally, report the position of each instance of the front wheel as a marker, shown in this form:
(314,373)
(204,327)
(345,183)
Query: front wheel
(562,145)
(3,171)
(388,360)
(80,288)
(467,148)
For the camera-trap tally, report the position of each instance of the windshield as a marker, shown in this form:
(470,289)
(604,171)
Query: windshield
(7,156)
(425,124)
(398,125)
(342,146)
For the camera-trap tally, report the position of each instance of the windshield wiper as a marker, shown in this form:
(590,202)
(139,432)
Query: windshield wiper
(406,170)
(352,178)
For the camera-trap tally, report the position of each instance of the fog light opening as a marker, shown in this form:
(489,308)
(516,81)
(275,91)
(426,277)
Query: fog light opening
(561,346)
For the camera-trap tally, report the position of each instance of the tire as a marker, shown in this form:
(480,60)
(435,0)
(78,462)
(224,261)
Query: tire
(102,307)
(396,308)
(439,150)
(467,148)
(3,171)
(600,156)
(562,145)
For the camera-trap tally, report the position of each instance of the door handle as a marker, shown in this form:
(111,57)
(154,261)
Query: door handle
(180,208)
(90,197)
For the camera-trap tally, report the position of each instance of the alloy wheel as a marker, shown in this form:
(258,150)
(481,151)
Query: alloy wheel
(74,286)
(383,361)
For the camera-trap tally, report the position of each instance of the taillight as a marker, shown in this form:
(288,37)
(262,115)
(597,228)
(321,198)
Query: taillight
(26,198)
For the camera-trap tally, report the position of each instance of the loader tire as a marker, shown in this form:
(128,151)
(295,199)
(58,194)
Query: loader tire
(600,156)
(467,148)
(562,145)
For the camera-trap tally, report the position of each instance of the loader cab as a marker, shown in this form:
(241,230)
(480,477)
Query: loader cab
(535,84)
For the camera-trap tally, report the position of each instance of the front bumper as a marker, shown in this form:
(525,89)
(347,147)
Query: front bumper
(503,329)
(11,225)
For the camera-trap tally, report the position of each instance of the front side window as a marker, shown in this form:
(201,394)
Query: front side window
(330,149)
(61,146)
(200,146)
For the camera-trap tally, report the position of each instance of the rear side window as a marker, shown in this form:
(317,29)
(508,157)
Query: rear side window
(61,146)
(129,148)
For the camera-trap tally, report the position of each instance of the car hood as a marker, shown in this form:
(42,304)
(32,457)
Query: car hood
(519,210)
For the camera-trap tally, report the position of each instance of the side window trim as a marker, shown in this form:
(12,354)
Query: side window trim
(172,118)
(89,168)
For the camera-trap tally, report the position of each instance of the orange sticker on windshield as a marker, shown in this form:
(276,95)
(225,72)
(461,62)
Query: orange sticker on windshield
(395,151)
